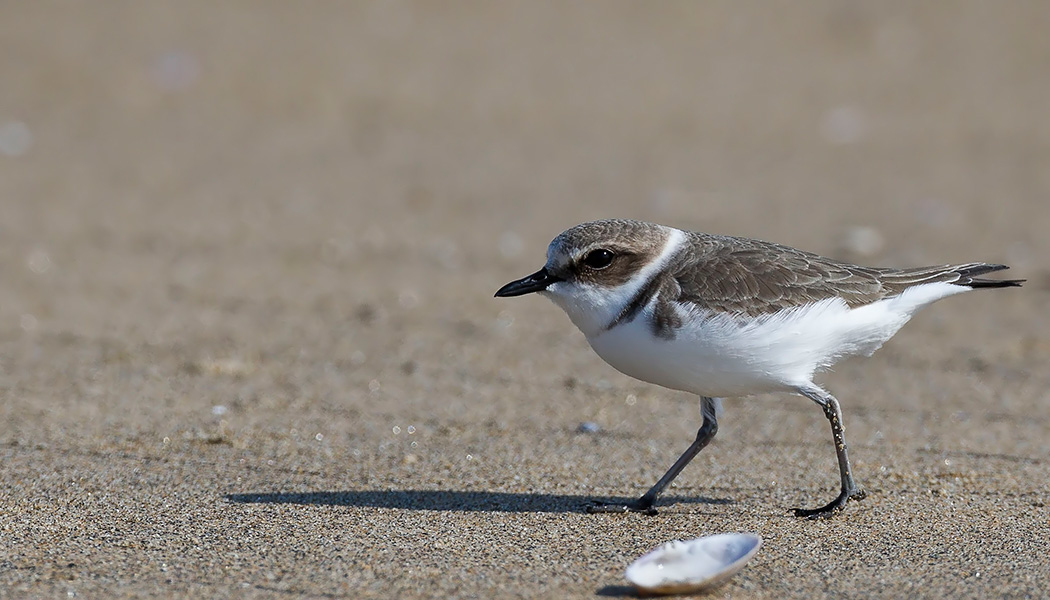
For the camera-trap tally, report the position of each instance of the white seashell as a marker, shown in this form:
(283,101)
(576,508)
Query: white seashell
(679,567)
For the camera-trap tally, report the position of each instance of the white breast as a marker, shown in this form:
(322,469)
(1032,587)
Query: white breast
(720,355)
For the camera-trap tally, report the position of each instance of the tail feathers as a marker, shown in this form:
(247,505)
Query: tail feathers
(967,277)
(994,283)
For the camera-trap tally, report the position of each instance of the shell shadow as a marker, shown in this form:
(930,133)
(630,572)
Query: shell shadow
(618,591)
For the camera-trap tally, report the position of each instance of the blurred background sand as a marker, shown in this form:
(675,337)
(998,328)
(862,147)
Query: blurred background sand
(248,345)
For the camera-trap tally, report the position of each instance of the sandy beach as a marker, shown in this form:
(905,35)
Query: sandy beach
(249,348)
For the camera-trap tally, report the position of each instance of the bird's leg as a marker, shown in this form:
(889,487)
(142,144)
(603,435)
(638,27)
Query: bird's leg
(849,488)
(645,503)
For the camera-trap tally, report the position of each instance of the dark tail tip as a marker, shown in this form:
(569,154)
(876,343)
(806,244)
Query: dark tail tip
(969,271)
(995,283)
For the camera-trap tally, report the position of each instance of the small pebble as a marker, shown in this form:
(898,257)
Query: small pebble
(588,427)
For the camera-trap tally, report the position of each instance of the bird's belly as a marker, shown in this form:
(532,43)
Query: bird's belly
(723,355)
(708,365)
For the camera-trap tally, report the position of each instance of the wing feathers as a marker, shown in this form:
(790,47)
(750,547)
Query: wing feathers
(753,277)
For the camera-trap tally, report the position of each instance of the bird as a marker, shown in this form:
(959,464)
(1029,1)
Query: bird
(723,317)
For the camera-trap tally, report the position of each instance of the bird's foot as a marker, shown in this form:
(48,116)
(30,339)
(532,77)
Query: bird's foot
(635,506)
(832,507)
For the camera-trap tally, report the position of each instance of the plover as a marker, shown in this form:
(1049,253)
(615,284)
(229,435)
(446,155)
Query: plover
(722,316)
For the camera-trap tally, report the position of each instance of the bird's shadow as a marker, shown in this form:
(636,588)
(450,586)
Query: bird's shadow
(450,500)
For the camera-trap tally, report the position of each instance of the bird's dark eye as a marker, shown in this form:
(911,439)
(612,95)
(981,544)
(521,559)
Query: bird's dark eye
(598,259)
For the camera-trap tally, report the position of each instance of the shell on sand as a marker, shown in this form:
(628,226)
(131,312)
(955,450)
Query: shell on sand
(679,567)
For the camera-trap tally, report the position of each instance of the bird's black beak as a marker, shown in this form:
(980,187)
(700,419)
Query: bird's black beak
(536,282)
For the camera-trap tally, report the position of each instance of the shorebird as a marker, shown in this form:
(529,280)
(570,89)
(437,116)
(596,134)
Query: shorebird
(722,316)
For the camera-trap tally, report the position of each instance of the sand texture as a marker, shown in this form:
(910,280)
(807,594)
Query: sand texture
(249,348)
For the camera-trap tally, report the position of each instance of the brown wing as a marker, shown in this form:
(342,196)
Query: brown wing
(753,277)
